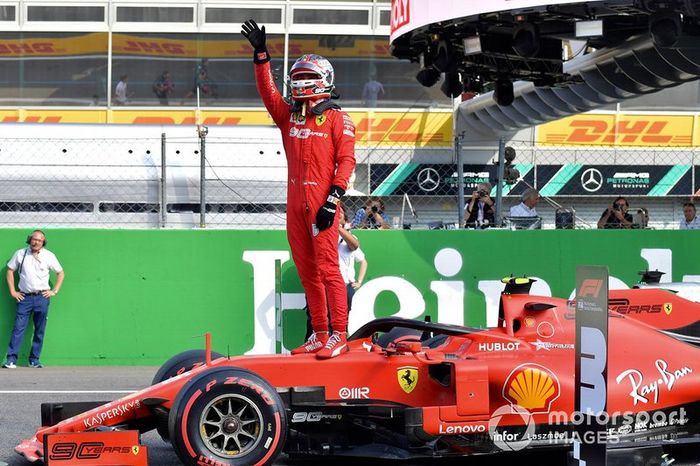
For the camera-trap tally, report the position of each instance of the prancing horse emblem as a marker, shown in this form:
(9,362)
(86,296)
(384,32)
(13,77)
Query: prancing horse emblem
(408,378)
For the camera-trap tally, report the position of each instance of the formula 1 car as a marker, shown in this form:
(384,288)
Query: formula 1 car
(671,306)
(406,389)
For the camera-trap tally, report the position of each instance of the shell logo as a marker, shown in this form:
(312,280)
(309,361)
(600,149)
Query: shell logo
(532,387)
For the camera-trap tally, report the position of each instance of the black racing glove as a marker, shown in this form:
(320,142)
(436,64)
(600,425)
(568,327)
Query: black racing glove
(326,214)
(256,37)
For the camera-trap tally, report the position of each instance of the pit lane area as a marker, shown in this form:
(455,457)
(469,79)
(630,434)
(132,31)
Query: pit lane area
(22,391)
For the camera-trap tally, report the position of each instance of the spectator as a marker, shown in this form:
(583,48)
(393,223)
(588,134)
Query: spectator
(349,252)
(480,209)
(691,221)
(372,91)
(120,93)
(526,208)
(371,216)
(162,87)
(33,265)
(616,215)
(201,80)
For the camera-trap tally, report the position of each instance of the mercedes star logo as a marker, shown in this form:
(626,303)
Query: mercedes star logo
(428,179)
(591,180)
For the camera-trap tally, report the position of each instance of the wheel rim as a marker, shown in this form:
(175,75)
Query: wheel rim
(231,425)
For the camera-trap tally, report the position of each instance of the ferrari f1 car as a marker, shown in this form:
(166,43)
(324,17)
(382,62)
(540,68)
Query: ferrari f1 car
(406,389)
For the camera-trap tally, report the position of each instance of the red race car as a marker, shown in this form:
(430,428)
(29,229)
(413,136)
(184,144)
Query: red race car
(407,389)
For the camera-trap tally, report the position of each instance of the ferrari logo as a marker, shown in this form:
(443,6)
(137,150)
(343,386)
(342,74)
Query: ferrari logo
(530,321)
(668,308)
(408,378)
(321,119)
(135,450)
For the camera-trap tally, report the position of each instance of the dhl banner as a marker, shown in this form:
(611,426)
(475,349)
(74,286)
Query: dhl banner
(234,46)
(621,130)
(416,129)
(129,44)
(94,43)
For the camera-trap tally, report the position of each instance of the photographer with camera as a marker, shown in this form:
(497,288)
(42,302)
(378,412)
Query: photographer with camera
(371,216)
(616,216)
(480,211)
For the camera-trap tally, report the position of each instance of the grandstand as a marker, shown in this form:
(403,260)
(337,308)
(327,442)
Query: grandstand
(71,157)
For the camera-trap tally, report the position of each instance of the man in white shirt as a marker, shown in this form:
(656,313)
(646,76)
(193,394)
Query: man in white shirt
(526,208)
(691,221)
(120,91)
(349,252)
(33,265)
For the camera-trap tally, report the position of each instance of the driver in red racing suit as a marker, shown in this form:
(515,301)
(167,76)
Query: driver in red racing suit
(319,141)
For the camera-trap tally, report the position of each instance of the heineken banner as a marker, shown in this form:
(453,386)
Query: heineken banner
(551,180)
(140,296)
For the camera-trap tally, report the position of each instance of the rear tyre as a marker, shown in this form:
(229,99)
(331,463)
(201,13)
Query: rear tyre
(227,416)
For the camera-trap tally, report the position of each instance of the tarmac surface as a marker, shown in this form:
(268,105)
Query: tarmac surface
(22,391)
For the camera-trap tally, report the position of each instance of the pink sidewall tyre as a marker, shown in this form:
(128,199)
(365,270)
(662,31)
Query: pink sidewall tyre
(227,416)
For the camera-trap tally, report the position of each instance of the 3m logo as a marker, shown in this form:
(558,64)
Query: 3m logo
(590,287)
(633,132)
(400,14)
(532,387)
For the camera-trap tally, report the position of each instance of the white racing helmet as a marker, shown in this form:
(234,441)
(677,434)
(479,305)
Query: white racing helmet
(320,86)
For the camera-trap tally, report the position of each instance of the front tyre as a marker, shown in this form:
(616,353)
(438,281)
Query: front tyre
(181,363)
(227,416)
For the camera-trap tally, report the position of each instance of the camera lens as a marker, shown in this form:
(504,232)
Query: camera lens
(374,209)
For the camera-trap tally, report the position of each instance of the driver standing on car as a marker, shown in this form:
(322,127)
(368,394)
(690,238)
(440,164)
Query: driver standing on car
(319,142)
(616,216)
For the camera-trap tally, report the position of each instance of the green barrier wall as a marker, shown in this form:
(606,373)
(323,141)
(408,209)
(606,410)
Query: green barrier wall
(139,296)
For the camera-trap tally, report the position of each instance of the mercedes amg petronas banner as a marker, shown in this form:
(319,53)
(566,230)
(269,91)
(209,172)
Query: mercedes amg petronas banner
(552,180)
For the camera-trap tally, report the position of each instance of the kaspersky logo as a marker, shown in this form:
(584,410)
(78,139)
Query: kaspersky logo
(532,387)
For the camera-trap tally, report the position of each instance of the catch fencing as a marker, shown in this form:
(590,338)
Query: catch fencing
(156,182)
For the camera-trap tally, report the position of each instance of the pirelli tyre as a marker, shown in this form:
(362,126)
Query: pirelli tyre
(178,364)
(181,363)
(227,416)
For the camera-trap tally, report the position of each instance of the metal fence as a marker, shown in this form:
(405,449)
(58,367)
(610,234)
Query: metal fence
(155,182)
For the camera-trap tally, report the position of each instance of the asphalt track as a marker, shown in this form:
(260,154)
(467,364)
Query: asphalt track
(22,391)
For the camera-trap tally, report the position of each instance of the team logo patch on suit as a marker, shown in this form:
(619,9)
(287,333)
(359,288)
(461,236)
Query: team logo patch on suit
(320,120)
(297,118)
(408,378)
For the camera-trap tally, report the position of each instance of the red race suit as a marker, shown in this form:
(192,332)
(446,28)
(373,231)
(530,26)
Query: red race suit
(320,152)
